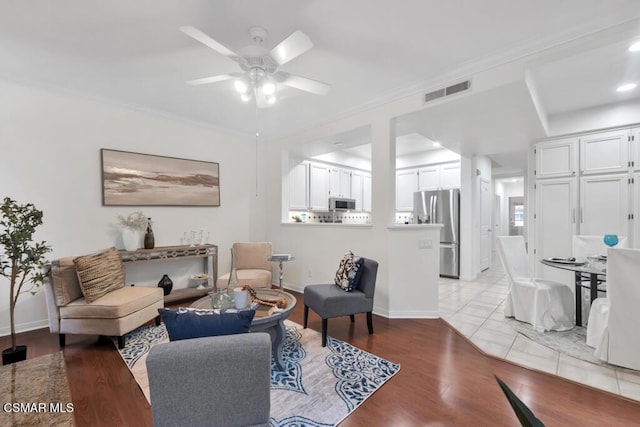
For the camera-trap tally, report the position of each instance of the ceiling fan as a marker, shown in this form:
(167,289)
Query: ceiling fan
(261,74)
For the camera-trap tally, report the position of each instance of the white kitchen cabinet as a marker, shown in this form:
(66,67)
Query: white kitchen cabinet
(449,175)
(428,178)
(604,152)
(555,223)
(357,188)
(318,187)
(299,186)
(345,183)
(339,182)
(635,219)
(406,185)
(634,144)
(604,205)
(366,192)
(557,158)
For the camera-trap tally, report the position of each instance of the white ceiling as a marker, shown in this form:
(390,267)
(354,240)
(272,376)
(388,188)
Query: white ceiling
(132,53)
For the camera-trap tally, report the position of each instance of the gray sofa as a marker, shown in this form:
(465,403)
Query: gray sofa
(212,381)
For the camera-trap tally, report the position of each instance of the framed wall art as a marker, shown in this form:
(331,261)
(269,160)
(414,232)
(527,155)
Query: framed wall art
(135,179)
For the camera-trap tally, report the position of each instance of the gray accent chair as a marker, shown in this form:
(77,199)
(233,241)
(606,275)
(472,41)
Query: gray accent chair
(213,381)
(331,301)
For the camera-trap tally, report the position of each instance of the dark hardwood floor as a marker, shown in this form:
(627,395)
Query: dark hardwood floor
(443,381)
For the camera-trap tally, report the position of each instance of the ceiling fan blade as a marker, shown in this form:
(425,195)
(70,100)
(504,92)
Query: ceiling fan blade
(294,45)
(213,79)
(308,85)
(209,42)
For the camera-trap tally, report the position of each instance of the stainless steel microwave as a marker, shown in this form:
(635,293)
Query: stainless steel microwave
(341,204)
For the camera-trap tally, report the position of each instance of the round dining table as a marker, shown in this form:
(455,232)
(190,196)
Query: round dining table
(589,271)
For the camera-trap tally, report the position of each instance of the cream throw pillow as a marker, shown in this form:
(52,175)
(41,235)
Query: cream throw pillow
(99,273)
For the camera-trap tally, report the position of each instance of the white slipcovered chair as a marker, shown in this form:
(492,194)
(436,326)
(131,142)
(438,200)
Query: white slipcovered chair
(584,246)
(613,321)
(545,304)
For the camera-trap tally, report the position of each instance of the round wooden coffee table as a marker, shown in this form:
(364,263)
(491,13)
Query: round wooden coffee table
(273,324)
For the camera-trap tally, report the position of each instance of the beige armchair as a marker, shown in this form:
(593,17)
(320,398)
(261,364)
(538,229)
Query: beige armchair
(252,265)
(113,314)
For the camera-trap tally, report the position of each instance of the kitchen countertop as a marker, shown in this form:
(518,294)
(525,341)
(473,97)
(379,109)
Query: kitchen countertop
(325,224)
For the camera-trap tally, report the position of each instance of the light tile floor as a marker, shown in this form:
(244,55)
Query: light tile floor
(475,309)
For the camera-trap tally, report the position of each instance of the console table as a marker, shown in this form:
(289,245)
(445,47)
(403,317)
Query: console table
(209,254)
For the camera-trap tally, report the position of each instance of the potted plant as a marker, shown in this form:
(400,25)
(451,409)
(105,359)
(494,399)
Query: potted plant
(22,262)
(133,225)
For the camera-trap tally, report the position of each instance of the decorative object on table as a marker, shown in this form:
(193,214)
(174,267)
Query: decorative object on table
(240,298)
(133,226)
(221,300)
(610,240)
(149,239)
(199,281)
(22,262)
(233,274)
(166,284)
(130,179)
(278,302)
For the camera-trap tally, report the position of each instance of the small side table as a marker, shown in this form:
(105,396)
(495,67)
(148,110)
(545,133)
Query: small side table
(280,260)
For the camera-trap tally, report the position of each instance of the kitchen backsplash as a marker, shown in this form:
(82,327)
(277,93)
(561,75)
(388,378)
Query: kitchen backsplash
(330,217)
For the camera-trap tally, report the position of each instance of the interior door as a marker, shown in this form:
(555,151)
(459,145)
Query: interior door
(485,224)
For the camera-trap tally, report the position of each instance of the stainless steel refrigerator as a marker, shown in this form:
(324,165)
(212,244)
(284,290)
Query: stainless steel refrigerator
(442,207)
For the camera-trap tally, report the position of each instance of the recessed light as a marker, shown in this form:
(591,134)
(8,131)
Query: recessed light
(626,87)
(437,144)
(635,47)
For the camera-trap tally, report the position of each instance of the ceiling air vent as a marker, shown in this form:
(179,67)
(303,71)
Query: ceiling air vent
(447,91)
(434,95)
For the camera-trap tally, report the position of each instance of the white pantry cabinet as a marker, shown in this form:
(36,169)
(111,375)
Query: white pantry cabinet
(604,152)
(556,158)
(604,205)
(555,222)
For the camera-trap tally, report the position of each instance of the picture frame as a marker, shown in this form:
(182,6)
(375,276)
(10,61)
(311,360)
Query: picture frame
(137,179)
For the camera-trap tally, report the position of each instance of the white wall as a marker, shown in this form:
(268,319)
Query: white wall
(590,119)
(426,158)
(50,149)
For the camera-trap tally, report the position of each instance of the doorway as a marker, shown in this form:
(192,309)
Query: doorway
(516,216)
(486,202)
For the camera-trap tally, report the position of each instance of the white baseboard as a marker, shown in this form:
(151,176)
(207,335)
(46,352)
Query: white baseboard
(412,314)
(25,327)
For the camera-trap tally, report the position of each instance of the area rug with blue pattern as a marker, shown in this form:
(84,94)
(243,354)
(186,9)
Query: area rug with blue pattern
(318,387)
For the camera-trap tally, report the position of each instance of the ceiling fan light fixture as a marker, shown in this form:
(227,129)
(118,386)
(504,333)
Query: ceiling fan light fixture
(626,87)
(271,99)
(635,47)
(245,97)
(241,86)
(268,88)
